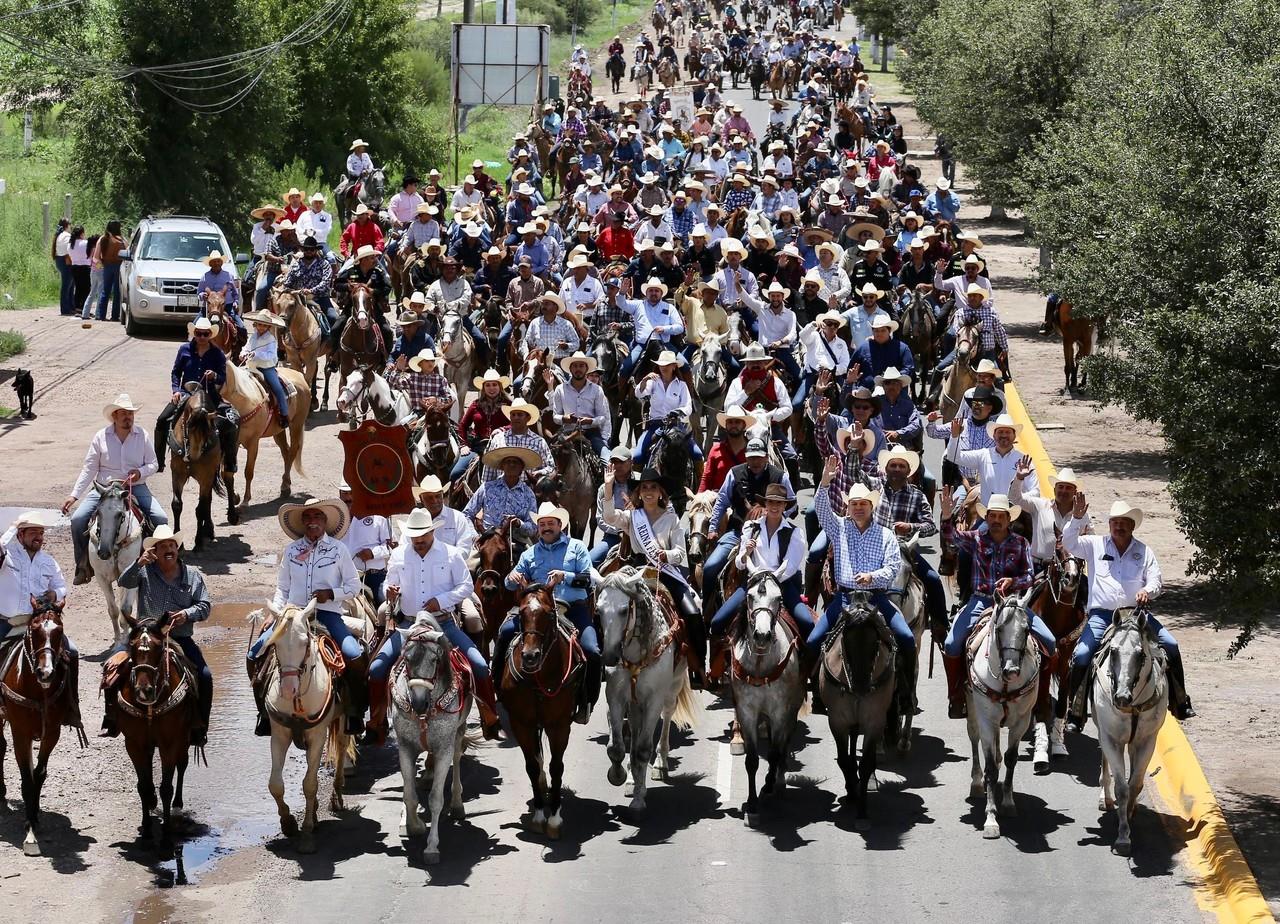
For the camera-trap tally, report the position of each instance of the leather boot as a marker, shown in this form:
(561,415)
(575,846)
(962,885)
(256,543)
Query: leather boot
(588,690)
(160,439)
(906,685)
(356,678)
(229,439)
(1179,701)
(1077,706)
(261,727)
(200,730)
(812,582)
(957,708)
(379,695)
(935,385)
(72,719)
(818,706)
(487,704)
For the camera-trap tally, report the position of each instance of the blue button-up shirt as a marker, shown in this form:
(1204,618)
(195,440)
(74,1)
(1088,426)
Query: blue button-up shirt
(221,281)
(944,205)
(873,550)
(537,252)
(565,554)
(498,500)
(190,366)
(903,417)
(650,316)
(420,341)
(874,358)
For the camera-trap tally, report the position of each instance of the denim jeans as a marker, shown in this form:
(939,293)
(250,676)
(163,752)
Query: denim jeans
(95,290)
(66,292)
(110,290)
(81,519)
(892,616)
(272,378)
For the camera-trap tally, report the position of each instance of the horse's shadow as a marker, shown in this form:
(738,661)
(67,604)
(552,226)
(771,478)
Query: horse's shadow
(60,842)
(157,852)
(679,803)
(1157,839)
(1029,830)
(463,845)
(804,802)
(892,810)
(337,840)
(584,820)
(917,767)
(223,551)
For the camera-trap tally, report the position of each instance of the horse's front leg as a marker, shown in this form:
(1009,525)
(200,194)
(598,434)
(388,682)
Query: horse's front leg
(22,757)
(616,693)
(1016,733)
(752,762)
(275,782)
(4,806)
(975,739)
(991,748)
(866,769)
(167,768)
(457,810)
(411,824)
(311,787)
(645,715)
(442,760)
(557,742)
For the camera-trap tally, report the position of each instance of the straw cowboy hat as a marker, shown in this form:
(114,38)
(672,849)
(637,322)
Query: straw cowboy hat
(812,277)
(880,319)
(213,255)
(262,211)
(1003,422)
(732,245)
(579,357)
(760,234)
(31,519)
(1065,476)
(834,317)
(424,356)
(971,237)
(358,143)
(430,485)
(524,407)
(419,523)
(1123,510)
(293,191)
(860,492)
(202,324)
(337,517)
(666,358)
(836,251)
(987,366)
(554,299)
(495,457)
(734,413)
(902,453)
(122,403)
(974,260)
(163,533)
(998,502)
(857,229)
(491,375)
(778,288)
(549,511)
(755,353)
(711,285)
(870,246)
(368,250)
(265,317)
(578,262)
(890,374)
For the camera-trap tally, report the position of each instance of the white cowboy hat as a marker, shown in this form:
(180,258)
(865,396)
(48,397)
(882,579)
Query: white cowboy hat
(986,366)
(860,492)
(164,533)
(880,319)
(890,374)
(424,356)
(943,183)
(495,457)
(433,244)
(490,375)
(834,317)
(971,237)
(975,289)
(430,485)
(477,164)
(902,453)
(368,250)
(1065,476)
(31,519)
(202,324)
(317,197)
(419,523)
(836,251)
(554,299)
(578,262)
(844,435)
(812,276)
(549,511)
(974,260)
(776,287)
(471,229)
(293,191)
(361,209)
(655,283)
(337,517)
(523,406)
(917,243)
(123,402)
(732,245)
(1003,422)
(870,246)
(760,234)
(755,353)
(666,358)
(358,143)
(648,179)
(214,255)
(871,288)
(1123,510)
(579,357)
(524,189)
(656,211)
(998,502)
(264,316)
(283,224)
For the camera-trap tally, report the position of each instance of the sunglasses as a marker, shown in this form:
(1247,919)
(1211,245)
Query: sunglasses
(203,333)
(862,407)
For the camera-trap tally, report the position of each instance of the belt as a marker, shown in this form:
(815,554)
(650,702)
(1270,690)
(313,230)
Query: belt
(369,571)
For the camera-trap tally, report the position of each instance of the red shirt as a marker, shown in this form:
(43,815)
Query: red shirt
(719,460)
(481,421)
(293,214)
(357,235)
(616,242)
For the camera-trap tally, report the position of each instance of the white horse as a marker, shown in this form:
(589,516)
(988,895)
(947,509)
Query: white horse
(1001,686)
(708,386)
(1130,701)
(366,394)
(458,353)
(768,687)
(887,180)
(649,681)
(909,590)
(305,711)
(115,537)
(432,702)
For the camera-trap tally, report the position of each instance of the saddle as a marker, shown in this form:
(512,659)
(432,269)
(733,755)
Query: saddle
(290,390)
(836,665)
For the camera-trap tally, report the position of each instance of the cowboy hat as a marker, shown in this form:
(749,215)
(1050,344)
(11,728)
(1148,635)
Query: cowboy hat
(31,519)
(317,197)
(902,453)
(987,366)
(789,250)
(579,357)
(491,375)
(732,245)
(943,183)
(880,319)
(367,250)
(309,242)
(653,476)
(654,283)
(760,234)
(998,502)
(711,285)
(776,287)
(358,143)
(419,523)
(870,288)
(265,317)
(836,251)
(974,260)
(262,211)
(424,356)
(430,485)
(554,299)
(361,209)
(989,395)
(495,457)
(844,435)
(666,358)
(578,262)
(870,246)
(812,277)
(164,533)
(549,511)
(337,517)
(293,191)
(774,492)
(282,226)
(1003,422)
(755,353)
(834,317)
(214,254)
(202,324)
(1123,510)
(1065,476)
(858,228)
(734,413)
(860,492)
(523,407)
(433,244)
(972,238)
(891,373)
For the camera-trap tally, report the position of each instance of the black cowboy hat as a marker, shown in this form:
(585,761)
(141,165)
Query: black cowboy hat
(989,395)
(409,178)
(310,243)
(652,474)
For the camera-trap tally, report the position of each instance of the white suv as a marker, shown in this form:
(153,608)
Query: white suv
(163,268)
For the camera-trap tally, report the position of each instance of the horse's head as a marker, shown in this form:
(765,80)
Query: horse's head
(862,631)
(699,521)
(764,603)
(148,639)
(549,488)
(967,341)
(708,371)
(374,188)
(1011,623)
(214,302)
(1070,570)
(351,390)
(113,513)
(451,331)
(361,300)
(426,659)
(624,604)
(45,638)
(294,645)
(537,620)
(1127,655)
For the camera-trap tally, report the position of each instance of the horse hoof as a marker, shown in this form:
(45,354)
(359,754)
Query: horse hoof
(1105,806)
(904,746)
(862,824)
(307,844)
(976,790)
(30,846)
(991,832)
(336,804)
(752,819)
(737,747)
(289,827)
(430,857)
(1122,849)
(659,774)
(617,774)
(534,825)
(457,813)
(553,832)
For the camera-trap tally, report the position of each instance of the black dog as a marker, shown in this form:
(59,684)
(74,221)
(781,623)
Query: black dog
(25,386)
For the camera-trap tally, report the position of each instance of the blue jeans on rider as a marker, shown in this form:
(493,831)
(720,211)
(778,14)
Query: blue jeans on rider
(272,378)
(504,339)
(717,558)
(641,453)
(333,624)
(949,359)
(935,595)
(968,615)
(791,593)
(788,361)
(460,467)
(89,506)
(1096,626)
(189,648)
(374,579)
(881,601)
(579,614)
(330,311)
(264,284)
(807,381)
(382,662)
(600,551)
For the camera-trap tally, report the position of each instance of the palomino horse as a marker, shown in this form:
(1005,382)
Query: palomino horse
(768,686)
(699,510)
(540,690)
(496,559)
(1060,603)
(458,356)
(244,392)
(919,331)
(856,682)
(432,692)
(651,684)
(1000,685)
(303,344)
(155,711)
(708,386)
(306,711)
(36,683)
(1077,344)
(365,393)
(1130,701)
(361,343)
(196,452)
(571,450)
(779,79)
(115,536)
(961,376)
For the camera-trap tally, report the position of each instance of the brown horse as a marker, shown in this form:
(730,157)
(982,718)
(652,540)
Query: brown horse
(248,395)
(196,452)
(496,561)
(1061,604)
(155,711)
(540,690)
(436,448)
(230,338)
(37,684)
(961,376)
(534,386)
(361,343)
(1077,344)
(303,344)
(778,79)
(845,113)
(921,332)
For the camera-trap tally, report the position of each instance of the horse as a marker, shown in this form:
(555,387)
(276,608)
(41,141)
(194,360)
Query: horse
(651,683)
(572,453)
(757,74)
(230,338)
(608,352)
(361,342)
(642,74)
(961,376)
(1060,603)
(155,711)
(432,692)
(669,456)
(494,549)
(856,683)
(658,19)
(540,690)
(1000,685)
(251,400)
(1130,701)
(768,686)
(306,711)
(373,187)
(115,533)
(678,28)
(303,344)
(668,72)
(195,451)
(616,68)
(458,356)
(365,393)
(919,331)
(35,676)
(533,385)
(1077,344)
(709,377)
(436,451)
(909,590)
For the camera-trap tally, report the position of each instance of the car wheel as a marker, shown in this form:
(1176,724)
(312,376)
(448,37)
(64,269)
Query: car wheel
(131,325)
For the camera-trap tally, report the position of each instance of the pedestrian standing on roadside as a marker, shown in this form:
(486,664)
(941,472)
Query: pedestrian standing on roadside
(95,277)
(78,258)
(60,253)
(109,247)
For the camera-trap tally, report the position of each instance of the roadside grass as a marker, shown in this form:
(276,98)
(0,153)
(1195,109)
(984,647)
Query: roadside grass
(12,343)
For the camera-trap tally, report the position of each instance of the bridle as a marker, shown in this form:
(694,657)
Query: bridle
(123,532)
(573,656)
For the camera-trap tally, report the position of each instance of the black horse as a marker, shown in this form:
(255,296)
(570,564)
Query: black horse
(669,456)
(616,68)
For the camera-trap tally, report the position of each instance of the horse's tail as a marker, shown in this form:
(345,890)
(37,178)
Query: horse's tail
(687,710)
(340,743)
(298,430)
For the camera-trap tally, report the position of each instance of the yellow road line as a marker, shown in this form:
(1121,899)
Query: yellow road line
(1227,887)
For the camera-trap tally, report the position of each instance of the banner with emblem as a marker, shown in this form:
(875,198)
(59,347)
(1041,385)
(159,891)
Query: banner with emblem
(378,468)
(682,108)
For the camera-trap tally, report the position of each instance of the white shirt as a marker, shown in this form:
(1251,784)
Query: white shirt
(1045,519)
(357,164)
(776,328)
(404,207)
(720,166)
(995,471)
(647,231)
(23,576)
(781,163)
(454,529)
(816,357)
(462,198)
(587,293)
(372,533)
(441,575)
(262,349)
(589,402)
(305,568)
(318,223)
(664,398)
(782,562)
(1114,579)
(62,244)
(261,239)
(594,201)
(737,395)
(110,460)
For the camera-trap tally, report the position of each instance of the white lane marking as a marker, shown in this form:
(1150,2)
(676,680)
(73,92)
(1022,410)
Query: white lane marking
(724,774)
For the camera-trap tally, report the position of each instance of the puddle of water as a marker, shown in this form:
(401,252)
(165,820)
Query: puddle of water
(9,514)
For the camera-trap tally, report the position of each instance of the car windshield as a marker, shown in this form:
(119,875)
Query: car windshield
(187,246)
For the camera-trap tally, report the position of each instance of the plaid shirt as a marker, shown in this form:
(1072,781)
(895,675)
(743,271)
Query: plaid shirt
(316,275)
(544,336)
(993,333)
(499,501)
(419,385)
(971,437)
(873,550)
(854,468)
(739,199)
(530,440)
(991,561)
(905,505)
(681,223)
(607,314)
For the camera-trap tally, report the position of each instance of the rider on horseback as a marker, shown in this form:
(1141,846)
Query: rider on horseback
(313,277)
(218,280)
(199,364)
(359,166)
(367,269)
